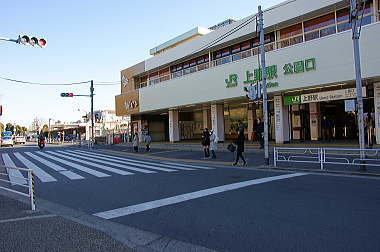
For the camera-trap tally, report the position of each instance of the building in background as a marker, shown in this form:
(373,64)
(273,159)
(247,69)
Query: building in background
(196,80)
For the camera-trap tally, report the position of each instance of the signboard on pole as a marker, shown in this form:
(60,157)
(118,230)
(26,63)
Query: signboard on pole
(349,105)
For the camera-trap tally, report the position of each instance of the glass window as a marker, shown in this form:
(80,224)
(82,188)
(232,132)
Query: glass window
(311,35)
(319,22)
(193,63)
(186,65)
(366,20)
(256,42)
(207,59)
(153,75)
(201,60)
(235,49)
(343,15)
(245,46)
(291,31)
(236,56)
(218,54)
(164,72)
(344,27)
(179,67)
(327,31)
(225,52)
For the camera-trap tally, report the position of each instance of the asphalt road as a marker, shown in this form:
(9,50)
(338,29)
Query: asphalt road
(221,208)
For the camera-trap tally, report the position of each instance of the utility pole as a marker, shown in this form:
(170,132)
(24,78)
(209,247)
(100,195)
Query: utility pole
(264,85)
(356,27)
(92,112)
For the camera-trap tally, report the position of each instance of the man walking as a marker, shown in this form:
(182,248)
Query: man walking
(260,133)
(240,148)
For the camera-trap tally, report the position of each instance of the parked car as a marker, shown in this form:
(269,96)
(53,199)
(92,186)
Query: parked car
(7,141)
(20,140)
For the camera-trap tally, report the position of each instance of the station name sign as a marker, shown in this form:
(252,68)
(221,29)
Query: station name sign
(341,94)
(297,67)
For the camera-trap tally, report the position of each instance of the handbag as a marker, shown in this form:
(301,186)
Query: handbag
(231,147)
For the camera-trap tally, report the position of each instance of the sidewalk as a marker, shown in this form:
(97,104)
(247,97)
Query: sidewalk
(24,230)
(193,153)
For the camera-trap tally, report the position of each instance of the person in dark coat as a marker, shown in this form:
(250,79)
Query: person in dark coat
(206,142)
(260,133)
(240,148)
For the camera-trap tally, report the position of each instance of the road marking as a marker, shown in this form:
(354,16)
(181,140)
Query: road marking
(28,218)
(41,174)
(160,152)
(114,162)
(192,166)
(133,162)
(110,169)
(115,213)
(14,175)
(58,168)
(76,166)
(115,159)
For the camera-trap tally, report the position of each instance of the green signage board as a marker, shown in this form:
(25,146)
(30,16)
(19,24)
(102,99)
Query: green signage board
(290,100)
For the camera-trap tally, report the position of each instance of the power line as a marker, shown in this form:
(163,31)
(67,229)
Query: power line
(44,84)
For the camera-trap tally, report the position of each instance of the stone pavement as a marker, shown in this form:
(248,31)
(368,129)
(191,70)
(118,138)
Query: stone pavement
(24,230)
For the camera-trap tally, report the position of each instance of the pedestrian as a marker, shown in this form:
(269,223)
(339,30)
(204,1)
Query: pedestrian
(369,125)
(135,142)
(254,133)
(240,126)
(213,143)
(206,142)
(326,129)
(148,141)
(240,148)
(260,133)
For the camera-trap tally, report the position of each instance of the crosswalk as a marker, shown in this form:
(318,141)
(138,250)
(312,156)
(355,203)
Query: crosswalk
(71,165)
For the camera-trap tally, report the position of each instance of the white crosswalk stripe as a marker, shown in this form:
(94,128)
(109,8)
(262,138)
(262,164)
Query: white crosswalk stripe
(115,162)
(15,176)
(125,160)
(40,174)
(74,165)
(110,169)
(192,166)
(43,163)
(138,162)
(58,168)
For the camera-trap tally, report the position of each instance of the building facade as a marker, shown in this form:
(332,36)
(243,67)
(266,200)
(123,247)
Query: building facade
(198,82)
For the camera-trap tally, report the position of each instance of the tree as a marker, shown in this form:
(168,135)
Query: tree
(18,130)
(24,130)
(45,128)
(9,127)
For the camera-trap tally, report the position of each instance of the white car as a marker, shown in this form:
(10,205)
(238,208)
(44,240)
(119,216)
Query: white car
(20,140)
(7,141)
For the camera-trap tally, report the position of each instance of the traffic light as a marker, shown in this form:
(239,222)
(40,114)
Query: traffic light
(67,94)
(33,41)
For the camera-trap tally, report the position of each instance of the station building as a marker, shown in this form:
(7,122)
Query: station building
(196,79)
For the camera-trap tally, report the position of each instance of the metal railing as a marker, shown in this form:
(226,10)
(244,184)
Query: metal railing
(85,144)
(17,182)
(323,156)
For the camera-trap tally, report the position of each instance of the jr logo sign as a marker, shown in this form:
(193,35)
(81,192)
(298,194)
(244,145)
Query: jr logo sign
(232,80)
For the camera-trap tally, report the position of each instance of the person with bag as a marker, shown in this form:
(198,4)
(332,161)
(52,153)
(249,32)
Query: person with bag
(135,142)
(206,142)
(240,148)
(213,143)
(260,133)
(148,141)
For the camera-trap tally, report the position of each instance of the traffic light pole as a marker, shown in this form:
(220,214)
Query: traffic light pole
(264,85)
(359,96)
(92,112)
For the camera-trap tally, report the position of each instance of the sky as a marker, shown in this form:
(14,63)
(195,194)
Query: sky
(90,40)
